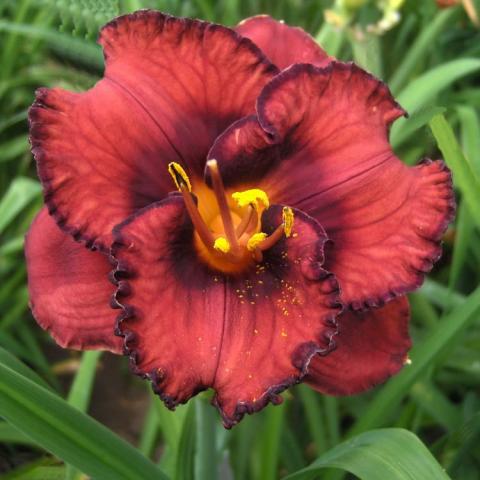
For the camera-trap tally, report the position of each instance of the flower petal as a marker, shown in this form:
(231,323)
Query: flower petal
(283,45)
(276,319)
(371,346)
(69,288)
(171,86)
(187,327)
(320,144)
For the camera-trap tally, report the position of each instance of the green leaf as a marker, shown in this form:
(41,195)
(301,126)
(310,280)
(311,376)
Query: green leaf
(416,121)
(81,389)
(21,192)
(423,355)
(313,413)
(467,437)
(36,471)
(424,88)
(388,454)
(470,126)
(9,434)
(441,296)
(464,176)
(68,433)
(433,401)
(269,441)
(13,148)
(465,228)
(150,430)
(74,48)
(172,426)
(205,452)
(423,43)
(80,392)
(184,467)
(10,361)
(421,91)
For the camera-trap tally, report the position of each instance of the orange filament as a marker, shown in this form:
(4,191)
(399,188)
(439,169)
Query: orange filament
(250,217)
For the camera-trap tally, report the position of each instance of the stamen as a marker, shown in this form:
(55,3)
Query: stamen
(255,240)
(223,204)
(258,255)
(245,221)
(272,239)
(288,217)
(179,176)
(252,226)
(184,186)
(251,197)
(284,229)
(222,245)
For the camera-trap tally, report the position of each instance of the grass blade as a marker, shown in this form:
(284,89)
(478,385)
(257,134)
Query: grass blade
(393,454)
(421,47)
(269,442)
(423,355)
(470,126)
(425,88)
(463,174)
(21,192)
(205,454)
(80,391)
(68,433)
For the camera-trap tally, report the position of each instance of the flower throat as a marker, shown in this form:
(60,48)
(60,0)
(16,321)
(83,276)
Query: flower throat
(231,240)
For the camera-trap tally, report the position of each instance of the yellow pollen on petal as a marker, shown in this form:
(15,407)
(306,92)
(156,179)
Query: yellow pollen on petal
(255,240)
(222,245)
(251,197)
(179,175)
(288,218)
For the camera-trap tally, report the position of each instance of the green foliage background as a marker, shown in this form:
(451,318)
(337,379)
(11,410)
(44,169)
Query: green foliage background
(423,424)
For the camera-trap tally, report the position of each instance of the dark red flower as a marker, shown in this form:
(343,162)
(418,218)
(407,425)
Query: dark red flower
(230,281)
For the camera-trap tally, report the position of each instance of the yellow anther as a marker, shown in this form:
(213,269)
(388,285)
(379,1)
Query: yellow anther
(255,240)
(251,197)
(222,245)
(287,216)
(179,175)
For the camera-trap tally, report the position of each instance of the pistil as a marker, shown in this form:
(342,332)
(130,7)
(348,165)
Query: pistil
(221,197)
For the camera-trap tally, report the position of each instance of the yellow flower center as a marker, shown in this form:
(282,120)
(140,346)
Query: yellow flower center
(228,232)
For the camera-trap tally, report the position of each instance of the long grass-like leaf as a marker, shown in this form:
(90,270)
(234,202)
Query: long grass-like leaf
(423,355)
(465,178)
(421,47)
(68,433)
(392,454)
(420,93)
(22,191)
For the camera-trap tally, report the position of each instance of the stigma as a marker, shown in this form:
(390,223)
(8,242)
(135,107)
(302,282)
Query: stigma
(228,226)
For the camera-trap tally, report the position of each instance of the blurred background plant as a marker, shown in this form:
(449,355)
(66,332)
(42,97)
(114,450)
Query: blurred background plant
(430,57)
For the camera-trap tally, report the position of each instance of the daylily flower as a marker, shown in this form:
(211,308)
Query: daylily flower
(243,207)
